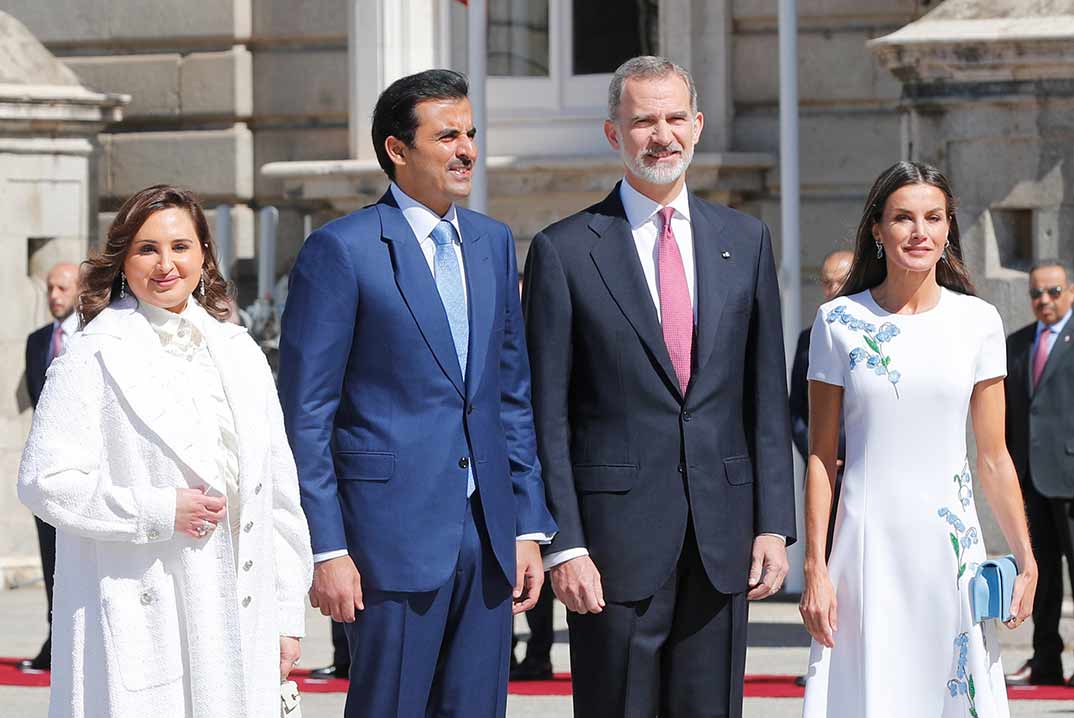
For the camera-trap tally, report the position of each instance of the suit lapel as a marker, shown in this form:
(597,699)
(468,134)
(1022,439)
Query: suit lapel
(616,257)
(418,288)
(1060,349)
(713,276)
(153,400)
(481,293)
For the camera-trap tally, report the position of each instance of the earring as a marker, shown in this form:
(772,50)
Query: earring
(122,286)
(203,286)
(879,250)
(943,254)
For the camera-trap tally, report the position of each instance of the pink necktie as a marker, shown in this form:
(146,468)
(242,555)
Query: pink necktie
(676,310)
(57,341)
(1040,354)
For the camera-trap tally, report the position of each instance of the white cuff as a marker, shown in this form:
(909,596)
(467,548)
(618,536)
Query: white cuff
(543,539)
(554,559)
(318,557)
(779,536)
(156,514)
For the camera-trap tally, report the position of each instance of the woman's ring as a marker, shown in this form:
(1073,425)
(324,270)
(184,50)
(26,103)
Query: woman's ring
(204,529)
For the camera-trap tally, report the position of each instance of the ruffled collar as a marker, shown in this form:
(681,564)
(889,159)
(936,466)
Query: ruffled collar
(181,334)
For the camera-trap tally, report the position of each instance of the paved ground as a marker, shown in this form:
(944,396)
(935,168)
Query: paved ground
(778,646)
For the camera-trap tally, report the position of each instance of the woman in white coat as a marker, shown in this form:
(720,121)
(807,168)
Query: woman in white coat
(158,452)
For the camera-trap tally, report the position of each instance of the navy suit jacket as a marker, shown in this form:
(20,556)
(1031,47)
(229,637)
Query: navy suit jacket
(629,459)
(383,424)
(37,349)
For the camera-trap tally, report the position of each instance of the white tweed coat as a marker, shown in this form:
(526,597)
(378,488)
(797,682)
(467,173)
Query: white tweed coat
(149,623)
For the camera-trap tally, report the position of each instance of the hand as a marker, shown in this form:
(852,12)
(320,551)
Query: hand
(196,514)
(1025,588)
(577,584)
(529,575)
(769,567)
(337,589)
(290,652)
(819,607)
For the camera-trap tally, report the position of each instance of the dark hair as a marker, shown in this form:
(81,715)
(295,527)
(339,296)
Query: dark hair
(867,270)
(394,115)
(1051,262)
(101,272)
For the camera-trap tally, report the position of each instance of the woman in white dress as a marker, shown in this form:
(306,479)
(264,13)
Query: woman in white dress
(903,356)
(158,453)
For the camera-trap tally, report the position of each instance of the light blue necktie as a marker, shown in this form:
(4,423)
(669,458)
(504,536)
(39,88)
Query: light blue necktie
(449,284)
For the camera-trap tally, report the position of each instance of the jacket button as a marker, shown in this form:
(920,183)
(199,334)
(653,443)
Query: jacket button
(470,409)
(247,566)
(153,535)
(147,598)
(257,489)
(686,416)
(246,601)
(464,463)
(249,525)
(682,469)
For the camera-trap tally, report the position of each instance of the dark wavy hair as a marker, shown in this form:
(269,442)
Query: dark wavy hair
(867,270)
(101,272)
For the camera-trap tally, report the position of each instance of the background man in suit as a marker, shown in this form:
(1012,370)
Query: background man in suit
(660,399)
(1040,437)
(405,386)
(42,346)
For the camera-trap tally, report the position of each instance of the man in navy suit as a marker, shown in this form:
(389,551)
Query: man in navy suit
(404,380)
(659,378)
(42,346)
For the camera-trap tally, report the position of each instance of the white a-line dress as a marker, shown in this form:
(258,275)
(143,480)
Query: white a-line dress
(907,538)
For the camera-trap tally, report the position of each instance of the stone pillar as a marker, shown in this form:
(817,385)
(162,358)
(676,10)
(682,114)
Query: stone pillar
(48,198)
(387,39)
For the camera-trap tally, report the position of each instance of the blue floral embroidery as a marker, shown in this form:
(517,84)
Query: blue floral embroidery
(876,359)
(962,683)
(965,487)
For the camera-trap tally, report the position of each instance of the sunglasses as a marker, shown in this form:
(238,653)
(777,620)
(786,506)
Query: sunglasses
(1053,292)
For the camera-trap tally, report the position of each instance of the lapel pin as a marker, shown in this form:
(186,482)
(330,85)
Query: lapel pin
(727,255)
(1066,338)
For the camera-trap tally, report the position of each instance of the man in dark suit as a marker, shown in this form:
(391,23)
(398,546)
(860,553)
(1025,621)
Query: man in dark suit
(404,381)
(42,346)
(660,399)
(1040,438)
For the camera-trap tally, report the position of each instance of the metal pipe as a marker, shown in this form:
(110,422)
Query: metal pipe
(477,25)
(225,254)
(268,222)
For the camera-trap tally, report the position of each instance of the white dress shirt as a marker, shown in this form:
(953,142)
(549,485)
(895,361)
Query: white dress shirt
(422,221)
(643,215)
(68,327)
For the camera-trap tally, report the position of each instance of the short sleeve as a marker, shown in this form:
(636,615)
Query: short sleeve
(826,362)
(992,354)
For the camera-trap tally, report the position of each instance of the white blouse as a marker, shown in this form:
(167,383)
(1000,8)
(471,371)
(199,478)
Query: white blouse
(183,341)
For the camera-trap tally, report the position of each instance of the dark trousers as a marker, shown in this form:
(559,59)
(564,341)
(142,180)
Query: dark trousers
(46,543)
(438,654)
(539,619)
(341,652)
(1050,528)
(678,654)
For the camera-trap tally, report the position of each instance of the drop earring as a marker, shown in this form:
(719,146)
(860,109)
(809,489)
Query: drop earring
(203,286)
(879,250)
(122,286)
(943,254)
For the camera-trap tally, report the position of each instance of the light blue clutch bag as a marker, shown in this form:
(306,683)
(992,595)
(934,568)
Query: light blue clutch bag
(991,589)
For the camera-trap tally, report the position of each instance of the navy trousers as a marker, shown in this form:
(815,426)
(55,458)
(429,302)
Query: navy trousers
(439,654)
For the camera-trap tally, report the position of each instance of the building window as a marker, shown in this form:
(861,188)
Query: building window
(518,43)
(1014,237)
(609,32)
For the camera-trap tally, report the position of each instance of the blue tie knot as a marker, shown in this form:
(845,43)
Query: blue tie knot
(443,233)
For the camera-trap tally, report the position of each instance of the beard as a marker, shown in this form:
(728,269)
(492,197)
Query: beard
(659,173)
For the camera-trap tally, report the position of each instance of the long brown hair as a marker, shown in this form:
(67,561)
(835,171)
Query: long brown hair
(867,270)
(101,272)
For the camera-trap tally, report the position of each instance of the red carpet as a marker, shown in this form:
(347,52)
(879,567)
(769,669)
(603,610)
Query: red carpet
(757,686)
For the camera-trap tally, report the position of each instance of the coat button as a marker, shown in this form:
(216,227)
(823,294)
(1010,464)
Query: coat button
(247,566)
(464,463)
(249,525)
(153,534)
(686,416)
(147,598)
(246,601)
(257,489)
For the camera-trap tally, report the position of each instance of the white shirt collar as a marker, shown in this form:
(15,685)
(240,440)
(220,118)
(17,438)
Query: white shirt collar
(421,219)
(184,330)
(68,325)
(640,209)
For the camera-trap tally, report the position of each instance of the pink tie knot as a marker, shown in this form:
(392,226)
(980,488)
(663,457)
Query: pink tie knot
(665,218)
